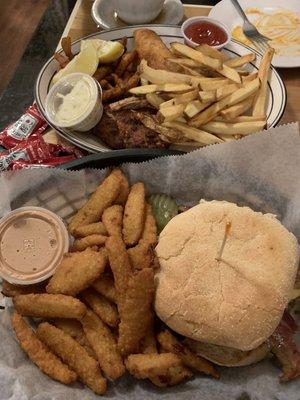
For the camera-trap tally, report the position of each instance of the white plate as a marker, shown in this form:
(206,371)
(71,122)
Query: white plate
(105,16)
(169,34)
(225,12)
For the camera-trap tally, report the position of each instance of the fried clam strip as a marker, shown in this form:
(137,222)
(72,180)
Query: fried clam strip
(88,241)
(135,312)
(170,344)
(49,306)
(134,214)
(120,265)
(105,285)
(102,198)
(101,306)
(112,219)
(77,271)
(142,256)
(104,345)
(10,290)
(149,342)
(70,351)
(163,369)
(149,234)
(96,228)
(39,353)
(74,328)
(124,187)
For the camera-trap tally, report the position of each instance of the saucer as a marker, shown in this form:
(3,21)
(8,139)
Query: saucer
(105,16)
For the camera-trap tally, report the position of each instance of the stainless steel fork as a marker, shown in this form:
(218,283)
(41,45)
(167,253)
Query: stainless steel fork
(260,41)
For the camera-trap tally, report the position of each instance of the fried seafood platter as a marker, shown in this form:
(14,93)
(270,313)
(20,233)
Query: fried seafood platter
(156,96)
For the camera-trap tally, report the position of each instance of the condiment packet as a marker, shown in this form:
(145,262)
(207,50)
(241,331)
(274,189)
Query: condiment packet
(51,162)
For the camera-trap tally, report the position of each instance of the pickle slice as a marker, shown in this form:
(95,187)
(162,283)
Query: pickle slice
(164,209)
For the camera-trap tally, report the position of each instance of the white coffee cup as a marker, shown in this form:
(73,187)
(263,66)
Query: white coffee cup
(138,11)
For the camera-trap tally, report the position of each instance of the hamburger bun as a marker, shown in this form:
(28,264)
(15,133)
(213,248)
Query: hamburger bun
(236,301)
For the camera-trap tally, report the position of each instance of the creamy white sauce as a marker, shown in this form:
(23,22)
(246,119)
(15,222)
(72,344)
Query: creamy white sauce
(75,103)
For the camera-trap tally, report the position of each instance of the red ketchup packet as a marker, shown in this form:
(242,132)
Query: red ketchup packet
(30,123)
(52,162)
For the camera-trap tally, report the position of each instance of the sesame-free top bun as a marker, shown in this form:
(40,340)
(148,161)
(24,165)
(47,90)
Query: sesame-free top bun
(236,302)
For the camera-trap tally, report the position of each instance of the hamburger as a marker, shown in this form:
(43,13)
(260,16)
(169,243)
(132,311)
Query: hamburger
(225,280)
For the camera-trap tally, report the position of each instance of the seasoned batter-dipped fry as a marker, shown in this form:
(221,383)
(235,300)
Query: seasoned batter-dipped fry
(102,198)
(163,369)
(70,351)
(124,187)
(149,341)
(170,344)
(112,219)
(10,290)
(142,256)
(126,59)
(74,328)
(88,241)
(49,306)
(96,228)
(149,234)
(120,265)
(39,353)
(135,313)
(134,214)
(104,345)
(101,306)
(77,271)
(105,286)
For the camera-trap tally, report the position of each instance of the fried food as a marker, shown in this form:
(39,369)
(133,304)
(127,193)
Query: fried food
(96,228)
(70,351)
(134,214)
(102,72)
(102,198)
(124,187)
(10,290)
(39,353)
(151,48)
(74,328)
(142,256)
(212,63)
(105,286)
(77,271)
(163,369)
(66,44)
(104,345)
(63,61)
(88,241)
(49,306)
(129,103)
(120,265)
(135,312)
(101,306)
(125,61)
(112,219)
(170,344)
(149,342)
(149,234)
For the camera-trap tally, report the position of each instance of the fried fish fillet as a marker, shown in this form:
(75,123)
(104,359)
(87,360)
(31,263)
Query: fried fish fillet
(134,214)
(104,345)
(163,369)
(49,306)
(105,286)
(135,313)
(112,219)
(77,271)
(151,48)
(105,194)
(70,351)
(39,353)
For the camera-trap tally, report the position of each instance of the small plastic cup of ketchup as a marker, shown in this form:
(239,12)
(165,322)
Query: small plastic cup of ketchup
(205,30)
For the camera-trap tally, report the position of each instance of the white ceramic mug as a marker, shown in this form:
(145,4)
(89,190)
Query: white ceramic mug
(138,11)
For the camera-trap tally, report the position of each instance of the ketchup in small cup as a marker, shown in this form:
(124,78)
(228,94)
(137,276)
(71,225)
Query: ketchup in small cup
(204,30)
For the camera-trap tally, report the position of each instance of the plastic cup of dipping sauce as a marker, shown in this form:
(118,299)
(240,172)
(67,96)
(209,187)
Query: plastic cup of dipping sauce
(33,241)
(74,102)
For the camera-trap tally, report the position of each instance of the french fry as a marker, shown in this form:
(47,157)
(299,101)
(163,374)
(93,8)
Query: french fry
(212,52)
(213,83)
(224,91)
(180,99)
(154,100)
(239,128)
(250,77)
(259,106)
(172,112)
(144,82)
(240,61)
(234,98)
(194,134)
(248,118)
(151,123)
(195,55)
(161,76)
(230,73)
(238,109)
(66,44)
(207,96)
(194,107)
(226,138)
(187,62)
(167,87)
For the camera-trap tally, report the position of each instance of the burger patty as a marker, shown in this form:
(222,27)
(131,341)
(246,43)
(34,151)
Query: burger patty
(123,130)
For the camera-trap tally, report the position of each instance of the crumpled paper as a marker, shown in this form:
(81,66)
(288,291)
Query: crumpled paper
(261,171)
